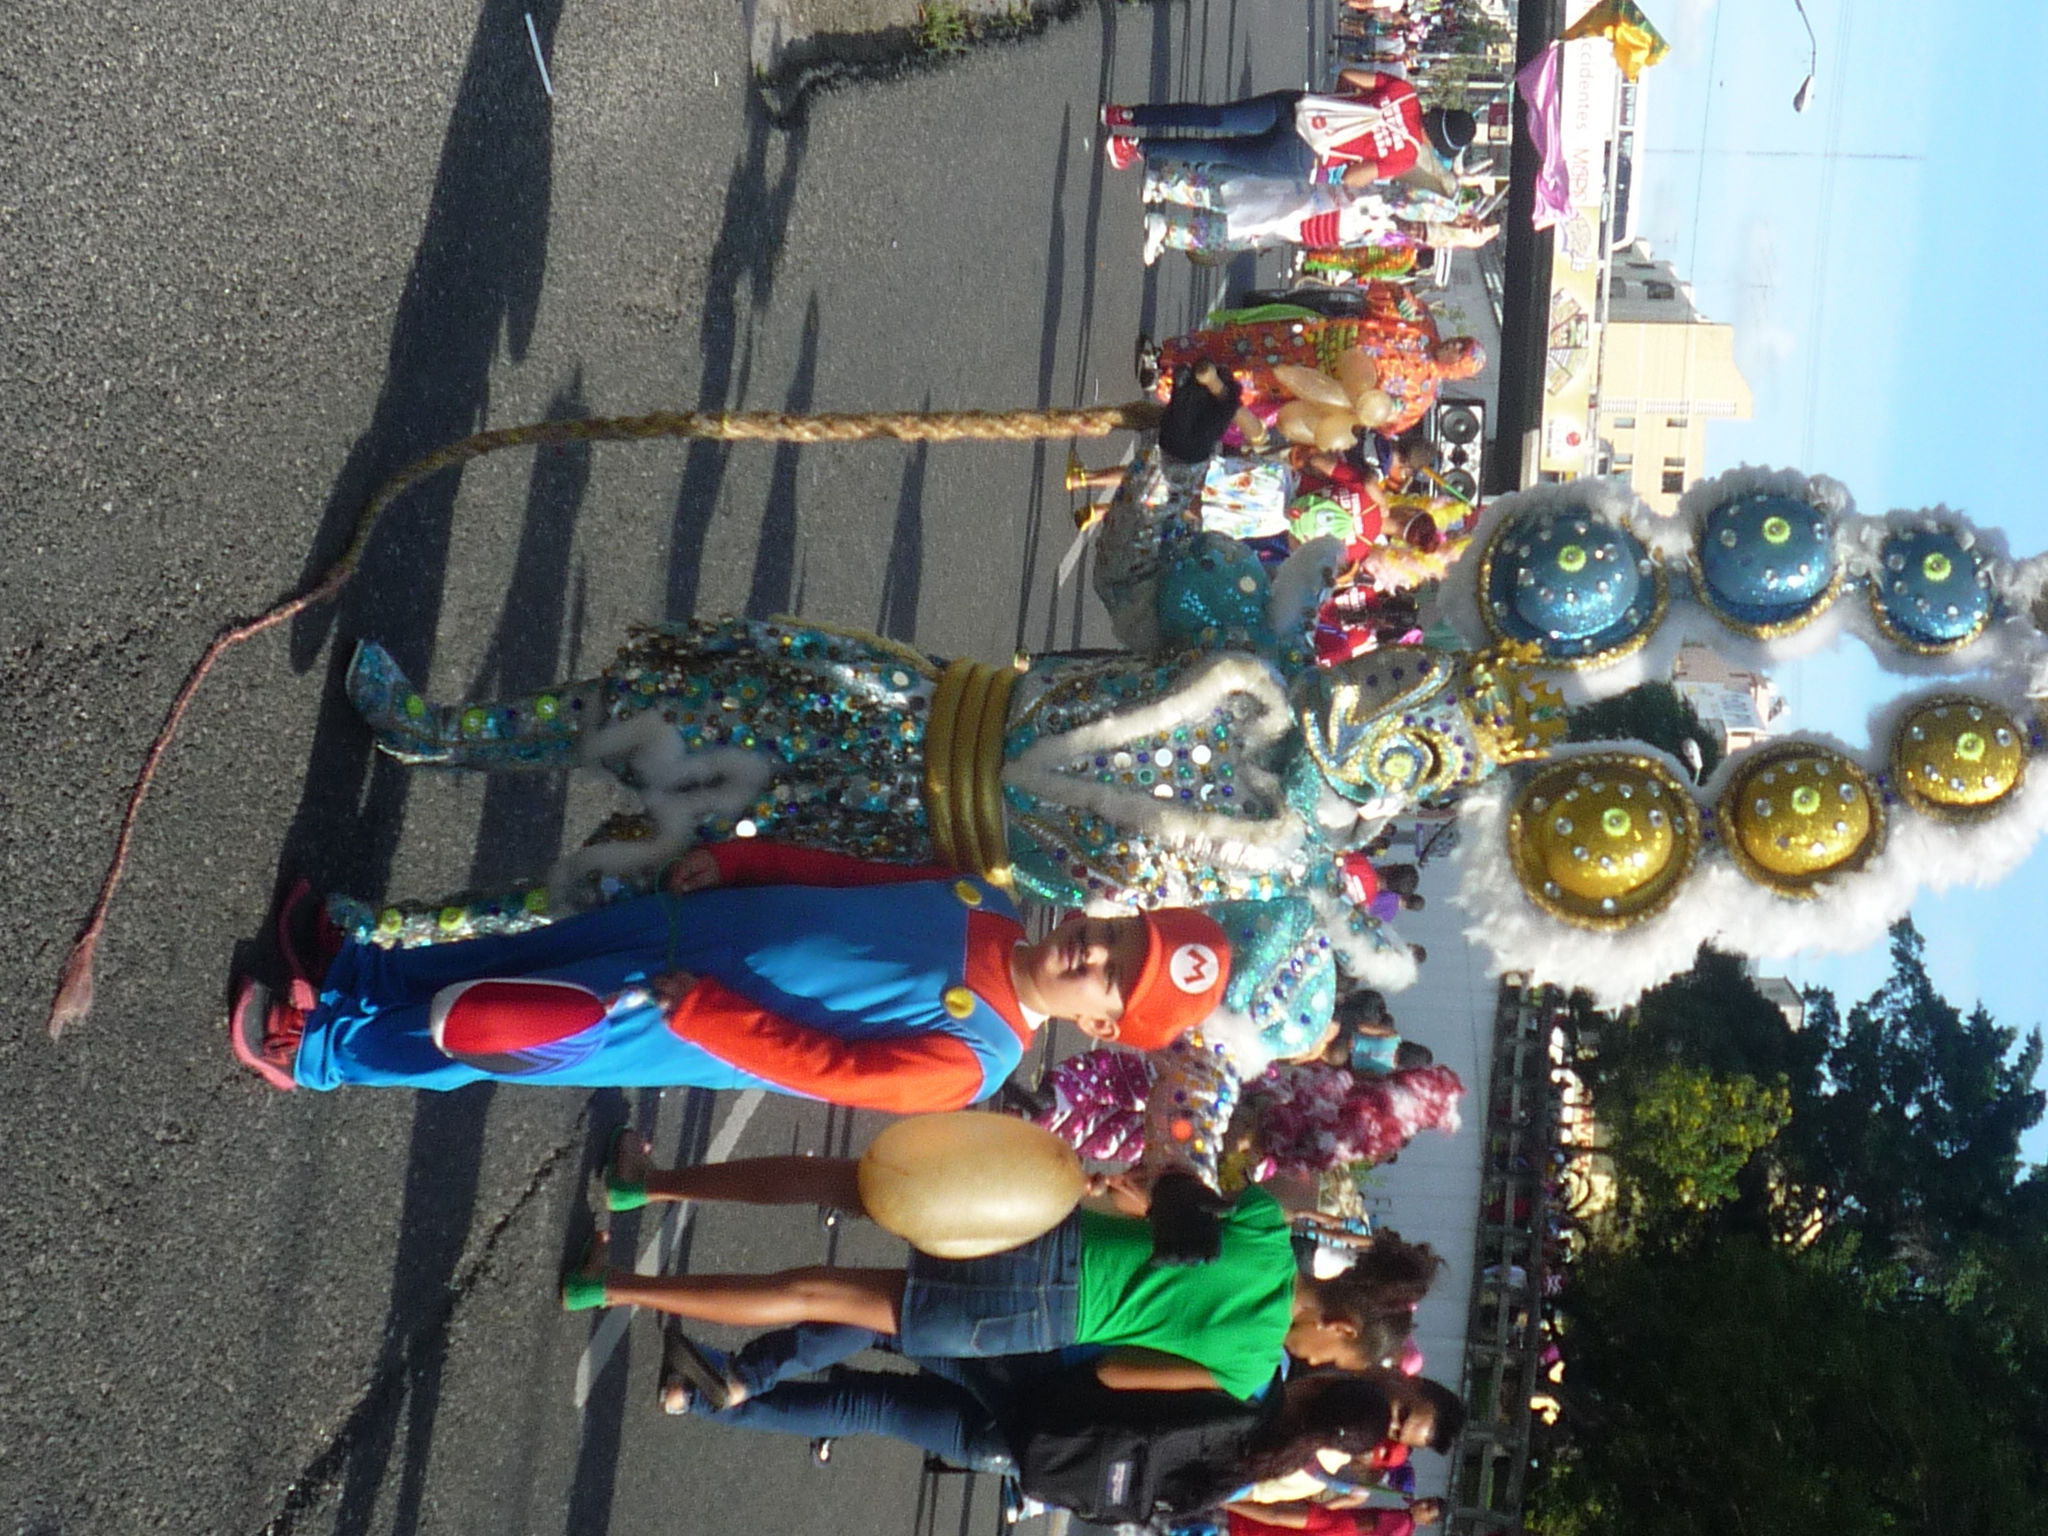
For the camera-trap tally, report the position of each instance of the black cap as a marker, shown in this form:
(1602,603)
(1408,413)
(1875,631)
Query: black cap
(1449,129)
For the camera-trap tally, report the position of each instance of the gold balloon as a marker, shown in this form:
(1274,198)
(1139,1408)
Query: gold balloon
(1297,423)
(1335,431)
(1356,371)
(1957,758)
(1310,385)
(1798,813)
(962,1185)
(1374,408)
(1605,840)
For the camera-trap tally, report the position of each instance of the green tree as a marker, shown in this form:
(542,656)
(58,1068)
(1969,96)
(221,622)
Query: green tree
(1752,1388)
(1685,1137)
(1915,1130)
(1652,712)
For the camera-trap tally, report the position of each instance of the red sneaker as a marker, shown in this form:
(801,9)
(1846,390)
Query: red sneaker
(1114,116)
(1122,151)
(264,1033)
(305,938)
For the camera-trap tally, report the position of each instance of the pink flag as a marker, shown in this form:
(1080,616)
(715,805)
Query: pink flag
(1536,82)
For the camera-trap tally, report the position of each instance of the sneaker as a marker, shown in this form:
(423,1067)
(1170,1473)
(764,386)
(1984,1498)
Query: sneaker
(1122,151)
(264,1033)
(1155,236)
(1114,116)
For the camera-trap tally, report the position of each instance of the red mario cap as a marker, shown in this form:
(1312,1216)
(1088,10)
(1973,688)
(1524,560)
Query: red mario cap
(1187,962)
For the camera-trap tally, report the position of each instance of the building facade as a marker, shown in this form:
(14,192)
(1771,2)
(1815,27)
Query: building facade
(1666,371)
(1743,706)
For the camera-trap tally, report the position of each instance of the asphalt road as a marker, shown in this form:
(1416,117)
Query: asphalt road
(256,256)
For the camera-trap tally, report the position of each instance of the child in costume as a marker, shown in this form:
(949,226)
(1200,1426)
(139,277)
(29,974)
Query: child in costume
(757,965)
(1183,1292)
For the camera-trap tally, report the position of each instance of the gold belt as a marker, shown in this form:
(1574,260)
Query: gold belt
(963,768)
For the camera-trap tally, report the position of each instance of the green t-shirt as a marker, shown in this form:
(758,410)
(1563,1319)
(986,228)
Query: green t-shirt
(1230,1315)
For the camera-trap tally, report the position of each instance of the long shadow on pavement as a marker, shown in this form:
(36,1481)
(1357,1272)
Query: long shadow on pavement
(1048,355)
(774,588)
(903,576)
(520,829)
(757,210)
(476,278)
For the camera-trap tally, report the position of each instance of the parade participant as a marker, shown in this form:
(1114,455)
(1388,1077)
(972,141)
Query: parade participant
(1216,210)
(757,965)
(1373,129)
(1397,331)
(1216,765)
(1121,1281)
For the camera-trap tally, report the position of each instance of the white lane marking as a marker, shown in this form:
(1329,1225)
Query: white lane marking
(660,1247)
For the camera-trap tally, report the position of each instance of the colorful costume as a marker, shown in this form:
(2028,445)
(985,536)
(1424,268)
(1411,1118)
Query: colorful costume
(897,998)
(1098,1105)
(1397,330)
(1312,1118)
(1217,765)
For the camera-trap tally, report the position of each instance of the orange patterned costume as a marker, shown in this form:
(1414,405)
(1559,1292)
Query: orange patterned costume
(1397,329)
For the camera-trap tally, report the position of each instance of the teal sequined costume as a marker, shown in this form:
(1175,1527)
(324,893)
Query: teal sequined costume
(1214,763)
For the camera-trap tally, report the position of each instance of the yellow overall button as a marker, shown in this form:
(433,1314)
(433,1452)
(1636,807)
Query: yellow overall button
(959,1002)
(968,892)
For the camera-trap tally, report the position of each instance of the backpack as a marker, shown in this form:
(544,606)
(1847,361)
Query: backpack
(1114,1457)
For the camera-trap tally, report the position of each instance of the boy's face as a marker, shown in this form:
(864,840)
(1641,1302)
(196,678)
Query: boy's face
(1412,1416)
(1083,968)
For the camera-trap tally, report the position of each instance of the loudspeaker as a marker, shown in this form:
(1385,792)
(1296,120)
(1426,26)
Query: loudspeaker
(1458,428)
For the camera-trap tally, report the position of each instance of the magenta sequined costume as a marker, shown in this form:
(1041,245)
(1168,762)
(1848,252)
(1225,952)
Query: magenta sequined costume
(1313,1118)
(1099,1104)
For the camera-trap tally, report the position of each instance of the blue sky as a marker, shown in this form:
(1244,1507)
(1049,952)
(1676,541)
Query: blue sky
(1887,313)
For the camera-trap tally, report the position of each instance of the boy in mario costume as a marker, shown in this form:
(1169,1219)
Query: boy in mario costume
(757,965)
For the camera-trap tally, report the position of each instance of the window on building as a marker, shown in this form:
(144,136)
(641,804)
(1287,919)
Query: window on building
(1656,290)
(1624,423)
(1677,421)
(1623,463)
(1674,482)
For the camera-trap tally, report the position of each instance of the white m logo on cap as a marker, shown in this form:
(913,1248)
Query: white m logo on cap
(1193,968)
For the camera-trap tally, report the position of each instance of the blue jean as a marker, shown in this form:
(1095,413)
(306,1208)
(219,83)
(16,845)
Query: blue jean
(1255,136)
(1022,1301)
(935,1409)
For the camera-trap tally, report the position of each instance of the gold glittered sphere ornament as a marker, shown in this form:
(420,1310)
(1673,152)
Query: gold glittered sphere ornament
(1957,759)
(1797,814)
(1605,840)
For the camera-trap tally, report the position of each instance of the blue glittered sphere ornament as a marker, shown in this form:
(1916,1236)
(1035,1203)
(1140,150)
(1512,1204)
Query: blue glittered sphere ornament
(1582,588)
(1766,564)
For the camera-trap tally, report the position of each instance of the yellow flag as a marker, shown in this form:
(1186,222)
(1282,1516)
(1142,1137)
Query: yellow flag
(1637,44)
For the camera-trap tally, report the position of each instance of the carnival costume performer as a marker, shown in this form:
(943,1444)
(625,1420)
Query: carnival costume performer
(758,965)
(1215,766)
(1396,330)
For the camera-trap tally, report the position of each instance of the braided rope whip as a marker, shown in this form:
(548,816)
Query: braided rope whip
(75,991)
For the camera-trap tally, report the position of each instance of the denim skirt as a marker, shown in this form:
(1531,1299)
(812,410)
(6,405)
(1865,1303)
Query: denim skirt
(1023,1301)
